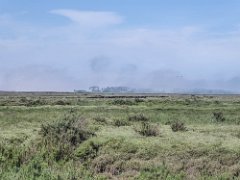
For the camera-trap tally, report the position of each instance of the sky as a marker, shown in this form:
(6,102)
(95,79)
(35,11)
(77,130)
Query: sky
(62,45)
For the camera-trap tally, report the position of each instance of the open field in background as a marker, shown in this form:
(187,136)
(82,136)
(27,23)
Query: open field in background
(140,136)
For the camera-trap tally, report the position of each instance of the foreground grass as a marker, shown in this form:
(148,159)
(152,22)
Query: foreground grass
(114,146)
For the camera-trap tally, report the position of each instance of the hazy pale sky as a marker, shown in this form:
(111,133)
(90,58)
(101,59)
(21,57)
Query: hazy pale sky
(160,44)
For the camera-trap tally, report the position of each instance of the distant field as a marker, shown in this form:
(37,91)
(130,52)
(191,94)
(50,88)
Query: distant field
(119,136)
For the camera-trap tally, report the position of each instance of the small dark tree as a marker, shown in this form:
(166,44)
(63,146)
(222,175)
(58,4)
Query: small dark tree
(95,89)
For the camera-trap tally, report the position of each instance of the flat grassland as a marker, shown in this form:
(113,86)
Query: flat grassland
(138,136)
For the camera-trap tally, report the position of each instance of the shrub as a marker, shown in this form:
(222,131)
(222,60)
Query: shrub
(178,126)
(147,129)
(139,100)
(62,103)
(167,122)
(138,117)
(88,150)
(123,102)
(73,132)
(117,168)
(113,144)
(62,138)
(120,122)
(101,120)
(37,102)
(103,163)
(218,116)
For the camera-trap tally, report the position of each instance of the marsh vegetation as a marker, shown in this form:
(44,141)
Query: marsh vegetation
(77,136)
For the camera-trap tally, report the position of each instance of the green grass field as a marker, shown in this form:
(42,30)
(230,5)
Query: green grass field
(86,136)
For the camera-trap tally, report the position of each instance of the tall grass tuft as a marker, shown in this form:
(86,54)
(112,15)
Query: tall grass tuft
(218,116)
(178,126)
(147,129)
(138,117)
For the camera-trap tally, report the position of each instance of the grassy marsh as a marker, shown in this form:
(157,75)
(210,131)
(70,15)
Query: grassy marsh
(116,148)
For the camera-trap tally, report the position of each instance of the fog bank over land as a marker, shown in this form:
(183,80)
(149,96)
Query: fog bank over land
(68,49)
(44,78)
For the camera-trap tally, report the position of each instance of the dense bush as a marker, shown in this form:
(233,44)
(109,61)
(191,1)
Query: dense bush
(123,102)
(101,120)
(62,138)
(55,144)
(218,116)
(147,129)
(138,117)
(37,102)
(120,122)
(103,163)
(178,126)
(88,150)
(139,100)
(73,132)
(62,102)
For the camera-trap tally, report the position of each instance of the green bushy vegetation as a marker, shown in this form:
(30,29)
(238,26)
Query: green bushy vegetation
(121,122)
(147,129)
(88,137)
(138,117)
(178,126)
(123,102)
(218,116)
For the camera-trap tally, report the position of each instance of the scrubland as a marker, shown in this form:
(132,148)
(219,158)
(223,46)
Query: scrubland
(77,136)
